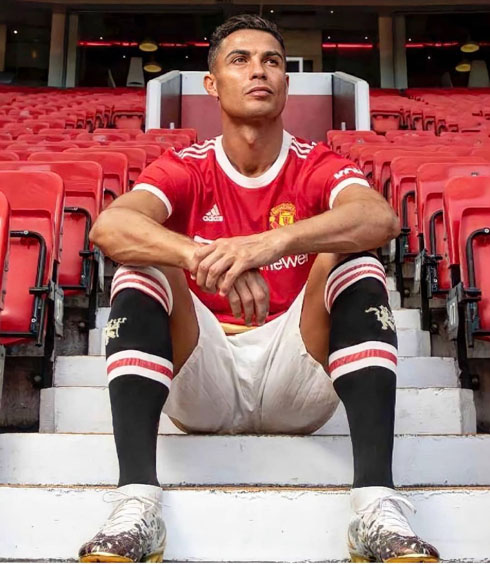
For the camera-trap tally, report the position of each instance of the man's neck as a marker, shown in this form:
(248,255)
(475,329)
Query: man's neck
(252,149)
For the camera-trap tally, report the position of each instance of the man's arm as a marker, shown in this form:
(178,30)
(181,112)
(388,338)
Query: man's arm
(130,231)
(360,220)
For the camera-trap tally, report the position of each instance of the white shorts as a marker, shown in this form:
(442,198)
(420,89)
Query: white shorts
(261,381)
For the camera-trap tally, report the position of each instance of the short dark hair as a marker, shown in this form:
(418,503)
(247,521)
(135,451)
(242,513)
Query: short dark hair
(235,23)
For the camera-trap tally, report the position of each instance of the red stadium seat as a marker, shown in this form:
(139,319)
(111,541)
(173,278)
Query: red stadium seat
(191,133)
(128,131)
(14,129)
(430,184)
(178,141)
(4,247)
(136,159)
(152,151)
(70,133)
(467,220)
(83,203)
(5,136)
(114,165)
(110,135)
(8,156)
(39,138)
(402,136)
(404,170)
(24,149)
(483,152)
(383,157)
(339,138)
(36,215)
(34,125)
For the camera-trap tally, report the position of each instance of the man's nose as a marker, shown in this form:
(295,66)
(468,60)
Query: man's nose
(257,69)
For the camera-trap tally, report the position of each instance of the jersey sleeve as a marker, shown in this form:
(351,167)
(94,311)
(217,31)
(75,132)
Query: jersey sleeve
(168,179)
(330,174)
(342,173)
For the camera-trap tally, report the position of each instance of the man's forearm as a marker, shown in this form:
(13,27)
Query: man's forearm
(354,227)
(130,237)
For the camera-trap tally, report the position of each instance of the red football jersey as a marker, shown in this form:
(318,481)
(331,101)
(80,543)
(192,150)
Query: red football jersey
(207,199)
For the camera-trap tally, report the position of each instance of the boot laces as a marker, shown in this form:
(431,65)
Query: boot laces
(129,510)
(388,511)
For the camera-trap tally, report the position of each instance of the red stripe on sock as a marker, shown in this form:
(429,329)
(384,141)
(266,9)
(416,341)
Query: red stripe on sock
(141,363)
(369,353)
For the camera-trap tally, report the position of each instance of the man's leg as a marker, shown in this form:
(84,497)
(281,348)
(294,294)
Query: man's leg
(152,326)
(357,323)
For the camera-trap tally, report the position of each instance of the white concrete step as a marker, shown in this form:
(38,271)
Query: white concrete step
(238,524)
(404,318)
(207,460)
(413,372)
(411,342)
(419,411)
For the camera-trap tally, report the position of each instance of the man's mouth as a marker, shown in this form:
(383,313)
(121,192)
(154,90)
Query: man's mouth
(260,91)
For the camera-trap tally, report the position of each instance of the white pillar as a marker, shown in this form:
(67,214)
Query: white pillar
(385,32)
(400,59)
(3,45)
(57,50)
(71,59)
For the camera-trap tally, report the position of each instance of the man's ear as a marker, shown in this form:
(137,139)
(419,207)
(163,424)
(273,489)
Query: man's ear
(210,85)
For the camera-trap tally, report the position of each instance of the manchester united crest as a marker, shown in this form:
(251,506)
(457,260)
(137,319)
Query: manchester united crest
(281,215)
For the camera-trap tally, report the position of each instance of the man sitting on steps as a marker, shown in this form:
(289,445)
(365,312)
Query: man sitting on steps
(250,299)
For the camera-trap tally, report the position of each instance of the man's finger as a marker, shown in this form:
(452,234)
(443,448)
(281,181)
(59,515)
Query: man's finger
(215,272)
(260,292)
(204,266)
(199,255)
(246,299)
(231,277)
(235,303)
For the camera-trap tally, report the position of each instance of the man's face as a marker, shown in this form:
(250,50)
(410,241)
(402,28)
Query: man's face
(249,75)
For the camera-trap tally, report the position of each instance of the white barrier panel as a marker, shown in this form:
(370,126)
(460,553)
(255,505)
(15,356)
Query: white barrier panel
(163,100)
(180,98)
(350,102)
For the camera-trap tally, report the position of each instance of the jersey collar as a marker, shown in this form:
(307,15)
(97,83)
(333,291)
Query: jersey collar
(258,181)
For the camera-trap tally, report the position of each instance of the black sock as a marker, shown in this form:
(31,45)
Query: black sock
(139,365)
(362,363)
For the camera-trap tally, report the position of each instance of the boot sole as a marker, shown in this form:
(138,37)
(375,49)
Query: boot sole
(408,558)
(108,557)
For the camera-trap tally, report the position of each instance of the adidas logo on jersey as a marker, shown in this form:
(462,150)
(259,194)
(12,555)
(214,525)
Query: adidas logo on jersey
(213,215)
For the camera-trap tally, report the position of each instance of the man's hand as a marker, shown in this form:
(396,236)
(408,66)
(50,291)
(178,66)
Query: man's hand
(249,296)
(228,258)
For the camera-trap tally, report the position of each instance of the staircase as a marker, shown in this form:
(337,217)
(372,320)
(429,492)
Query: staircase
(247,498)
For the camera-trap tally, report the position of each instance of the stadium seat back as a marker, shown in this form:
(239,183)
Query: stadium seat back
(114,165)
(36,208)
(190,132)
(152,151)
(36,139)
(4,247)
(110,135)
(84,195)
(467,213)
(128,131)
(136,159)
(8,156)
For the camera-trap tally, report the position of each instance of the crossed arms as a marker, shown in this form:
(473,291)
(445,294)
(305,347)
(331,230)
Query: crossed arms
(131,231)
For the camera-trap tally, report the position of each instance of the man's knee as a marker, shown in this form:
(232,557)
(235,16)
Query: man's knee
(148,280)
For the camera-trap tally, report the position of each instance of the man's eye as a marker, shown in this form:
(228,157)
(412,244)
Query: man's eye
(238,60)
(273,61)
